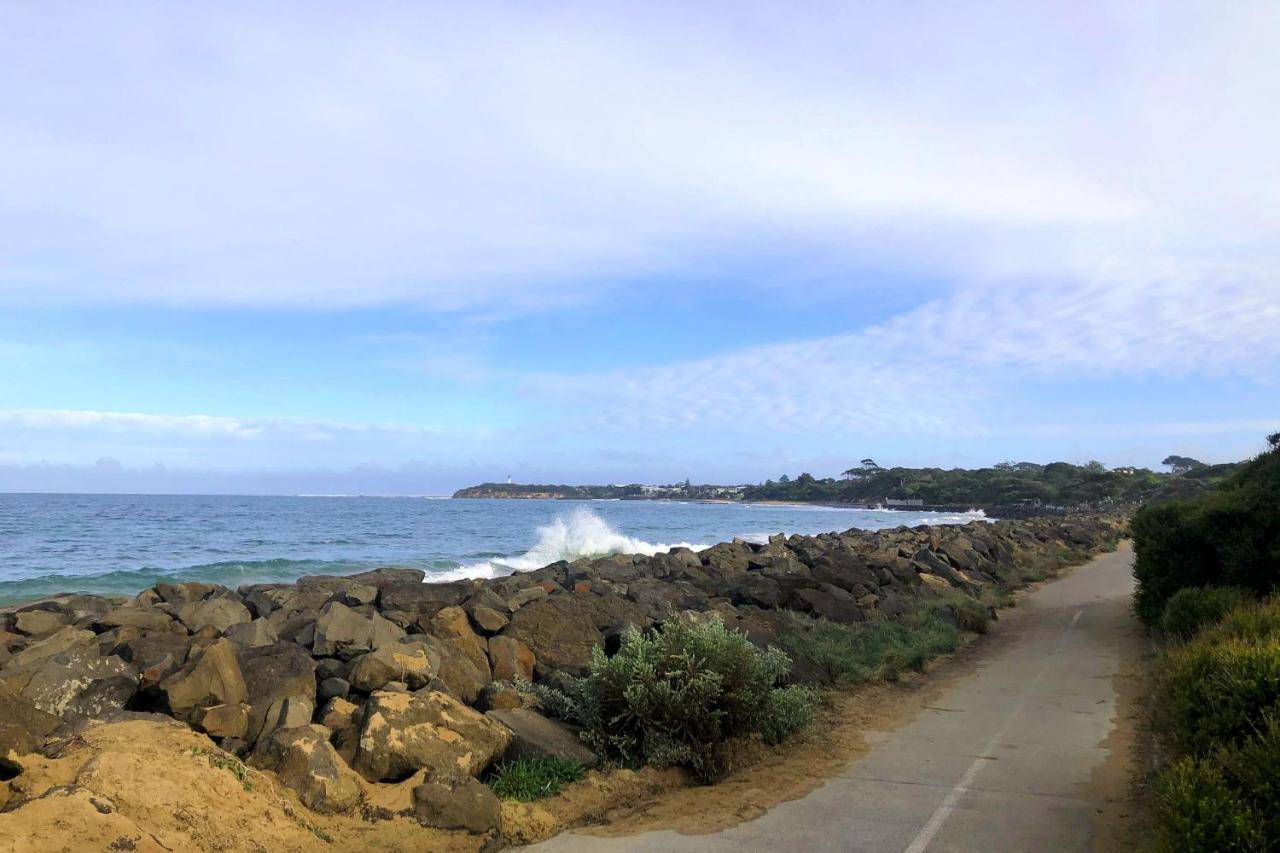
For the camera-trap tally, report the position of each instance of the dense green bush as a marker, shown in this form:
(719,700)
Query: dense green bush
(1230,537)
(1197,811)
(1194,608)
(533,778)
(791,708)
(677,694)
(1253,769)
(1212,692)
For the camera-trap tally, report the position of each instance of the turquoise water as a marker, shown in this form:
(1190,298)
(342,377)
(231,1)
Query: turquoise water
(124,543)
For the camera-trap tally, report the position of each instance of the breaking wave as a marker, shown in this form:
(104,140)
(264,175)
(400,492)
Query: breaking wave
(582,533)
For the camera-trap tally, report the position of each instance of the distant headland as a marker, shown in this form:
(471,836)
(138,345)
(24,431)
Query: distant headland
(1056,486)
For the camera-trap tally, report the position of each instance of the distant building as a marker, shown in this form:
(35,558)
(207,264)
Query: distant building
(904,501)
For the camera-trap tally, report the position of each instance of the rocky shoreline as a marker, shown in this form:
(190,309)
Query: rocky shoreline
(385,698)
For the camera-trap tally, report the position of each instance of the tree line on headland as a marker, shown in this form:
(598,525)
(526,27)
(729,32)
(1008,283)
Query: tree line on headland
(1057,484)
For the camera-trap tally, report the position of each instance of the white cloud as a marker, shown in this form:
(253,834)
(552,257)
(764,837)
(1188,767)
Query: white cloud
(497,158)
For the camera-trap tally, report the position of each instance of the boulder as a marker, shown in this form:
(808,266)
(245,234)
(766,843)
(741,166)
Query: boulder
(401,733)
(452,627)
(303,759)
(217,613)
(23,726)
(185,593)
(661,598)
(280,685)
(535,736)
(560,633)
(458,675)
(338,714)
(468,805)
(331,687)
(214,679)
(422,599)
(830,602)
(414,662)
(222,721)
(137,617)
(59,641)
(155,656)
(488,620)
(39,623)
(512,660)
(528,595)
(251,635)
(80,683)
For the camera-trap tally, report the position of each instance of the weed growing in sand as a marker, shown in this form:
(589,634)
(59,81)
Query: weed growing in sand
(315,830)
(226,762)
(533,778)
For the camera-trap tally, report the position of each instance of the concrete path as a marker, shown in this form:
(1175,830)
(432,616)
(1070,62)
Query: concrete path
(1003,761)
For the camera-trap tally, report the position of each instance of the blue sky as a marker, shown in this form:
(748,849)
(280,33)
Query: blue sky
(305,249)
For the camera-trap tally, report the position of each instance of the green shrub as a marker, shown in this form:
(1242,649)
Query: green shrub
(676,695)
(1253,622)
(969,613)
(1212,691)
(863,651)
(533,778)
(1229,537)
(1197,812)
(791,709)
(1253,770)
(1194,608)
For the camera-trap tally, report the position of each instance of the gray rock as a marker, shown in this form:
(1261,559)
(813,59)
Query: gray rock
(414,662)
(23,726)
(468,805)
(332,687)
(303,759)
(39,623)
(535,736)
(280,685)
(217,613)
(259,632)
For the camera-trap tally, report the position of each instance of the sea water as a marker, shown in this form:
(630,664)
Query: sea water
(124,543)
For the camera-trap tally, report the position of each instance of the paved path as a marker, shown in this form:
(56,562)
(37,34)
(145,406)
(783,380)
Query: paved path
(1001,762)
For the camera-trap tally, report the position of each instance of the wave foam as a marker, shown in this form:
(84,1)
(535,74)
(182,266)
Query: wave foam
(580,534)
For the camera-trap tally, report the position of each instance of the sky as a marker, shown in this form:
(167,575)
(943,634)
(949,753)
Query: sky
(403,248)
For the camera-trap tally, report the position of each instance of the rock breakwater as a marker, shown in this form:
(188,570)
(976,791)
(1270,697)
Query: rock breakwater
(382,696)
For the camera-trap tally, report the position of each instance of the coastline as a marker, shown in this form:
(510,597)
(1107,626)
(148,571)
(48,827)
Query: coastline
(315,686)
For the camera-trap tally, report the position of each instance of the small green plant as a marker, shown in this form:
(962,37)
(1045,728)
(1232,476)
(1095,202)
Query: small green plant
(533,778)
(1253,770)
(314,830)
(790,709)
(222,761)
(1194,608)
(1198,812)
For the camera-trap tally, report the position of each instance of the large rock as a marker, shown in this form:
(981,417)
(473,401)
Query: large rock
(51,645)
(345,633)
(280,686)
(422,599)
(23,726)
(451,626)
(562,630)
(144,618)
(251,635)
(214,679)
(303,759)
(401,733)
(218,613)
(39,623)
(414,662)
(186,593)
(156,656)
(80,683)
(830,602)
(469,805)
(535,736)
(512,660)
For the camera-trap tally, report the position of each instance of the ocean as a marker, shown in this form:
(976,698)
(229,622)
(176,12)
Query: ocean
(124,543)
